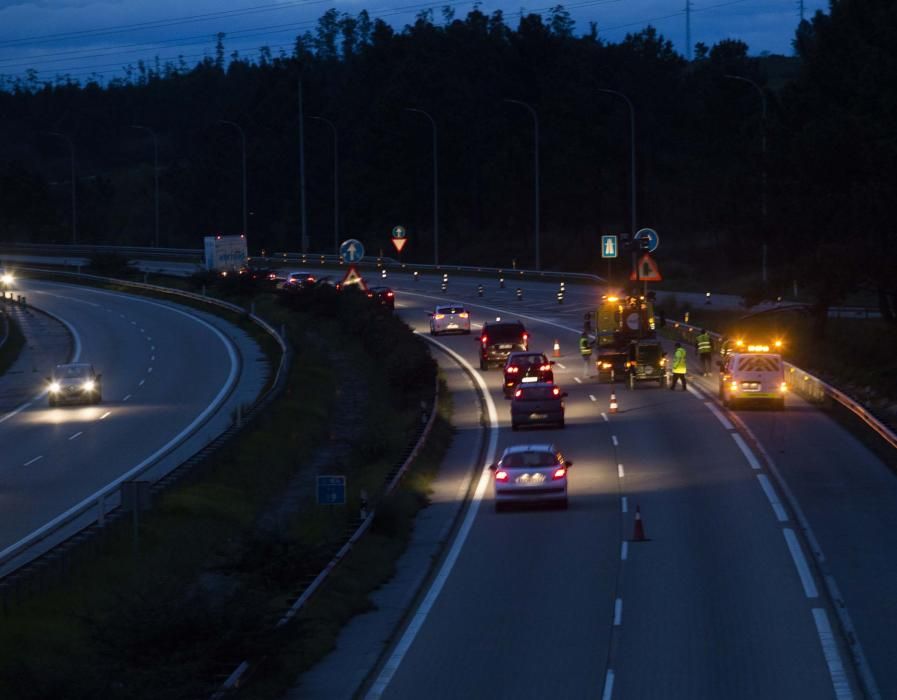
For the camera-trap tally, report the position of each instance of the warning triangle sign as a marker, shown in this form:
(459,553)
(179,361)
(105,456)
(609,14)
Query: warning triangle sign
(399,243)
(646,270)
(352,278)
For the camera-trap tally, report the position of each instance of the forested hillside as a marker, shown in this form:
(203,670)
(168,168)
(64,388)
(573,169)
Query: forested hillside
(830,163)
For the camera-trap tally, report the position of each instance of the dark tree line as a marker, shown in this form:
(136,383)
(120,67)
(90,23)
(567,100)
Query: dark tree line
(830,158)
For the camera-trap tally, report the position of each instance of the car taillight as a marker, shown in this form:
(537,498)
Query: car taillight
(513,370)
(439,317)
(484,339)
(544,368)
(464,315)
(559,473)
(501,475)
(390,294)
(518,393)
(525,337)
(555,391)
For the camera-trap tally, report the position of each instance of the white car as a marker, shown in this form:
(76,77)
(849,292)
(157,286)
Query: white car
(755,376)
(530,474)
(449,318)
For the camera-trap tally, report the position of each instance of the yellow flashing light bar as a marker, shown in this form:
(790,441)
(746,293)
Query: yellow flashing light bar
(758,348)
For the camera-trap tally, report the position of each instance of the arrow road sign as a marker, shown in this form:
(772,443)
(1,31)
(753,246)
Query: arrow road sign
(352,251)
(650,235)
(399,232)
(608,246)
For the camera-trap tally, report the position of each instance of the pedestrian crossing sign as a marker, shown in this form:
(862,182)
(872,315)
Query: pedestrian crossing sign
(646,270)
(608,246)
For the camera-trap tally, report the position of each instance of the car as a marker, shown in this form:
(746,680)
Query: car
(526,367)
(262,275)
(74,383)
(449,318)
(295,281)
(498,339)
(756,376)
(383,295)
(530,474)
(539,403)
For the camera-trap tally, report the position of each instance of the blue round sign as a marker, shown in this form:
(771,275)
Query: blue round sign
(650,235)
(351,251)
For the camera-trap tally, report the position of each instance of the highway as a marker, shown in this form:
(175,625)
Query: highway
(724,601)
(170,376)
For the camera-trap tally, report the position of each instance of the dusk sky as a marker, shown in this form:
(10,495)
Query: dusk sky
(83,37)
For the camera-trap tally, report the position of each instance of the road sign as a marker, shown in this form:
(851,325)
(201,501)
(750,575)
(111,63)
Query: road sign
(399,243)
(650,235)
(608,246)
(353,278)
(332,490)
(351,251)
(399,232)
(646,270)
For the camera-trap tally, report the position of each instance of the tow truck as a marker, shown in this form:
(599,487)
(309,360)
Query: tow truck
(753,373)
(621,321)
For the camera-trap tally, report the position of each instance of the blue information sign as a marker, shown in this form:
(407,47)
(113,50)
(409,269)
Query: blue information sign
(608,246)
(352,251)
(332,490)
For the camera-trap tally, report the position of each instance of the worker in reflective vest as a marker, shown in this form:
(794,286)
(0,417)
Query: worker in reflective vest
(679,368)
(705,350)
(585,349)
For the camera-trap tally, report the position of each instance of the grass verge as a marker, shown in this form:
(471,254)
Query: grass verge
(170,616)
(15,341)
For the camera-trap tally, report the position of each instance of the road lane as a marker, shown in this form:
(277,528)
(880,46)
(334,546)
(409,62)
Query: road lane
(529,608)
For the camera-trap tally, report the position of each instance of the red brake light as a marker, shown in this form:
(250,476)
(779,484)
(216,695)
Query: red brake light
(525,337)
(560,473)
(390,294)
(513,369)
(544,368)
(501,475)
(555,391)
(484,339)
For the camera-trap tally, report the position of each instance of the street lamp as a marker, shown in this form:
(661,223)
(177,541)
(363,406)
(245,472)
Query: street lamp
(435,185)
(74,195)
(155,172)
(243,142)
(763,156)
(536,172)
(335,182)
(631,154)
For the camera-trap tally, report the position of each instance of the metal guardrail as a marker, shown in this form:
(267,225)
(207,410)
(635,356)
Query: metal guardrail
(97,501)
(806,386)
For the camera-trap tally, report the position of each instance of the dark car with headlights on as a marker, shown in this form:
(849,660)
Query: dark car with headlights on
(383,295)
(499,339)
(537,404)
(74,383)
(525,368)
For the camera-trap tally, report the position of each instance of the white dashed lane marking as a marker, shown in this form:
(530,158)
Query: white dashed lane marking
(806,578)
(577,380)
(592,396)
(78,434)
(618,612)
(625,504)
(32,461)
(614,438)
(620,471)
(748,454)
(126,397)
(773,497)
(106,414)
(141,382)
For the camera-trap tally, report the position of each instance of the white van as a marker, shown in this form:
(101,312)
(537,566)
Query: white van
(754,376)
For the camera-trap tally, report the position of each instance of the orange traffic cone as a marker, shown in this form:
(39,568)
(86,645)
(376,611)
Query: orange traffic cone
(557,349)
(613,402)
(638,532)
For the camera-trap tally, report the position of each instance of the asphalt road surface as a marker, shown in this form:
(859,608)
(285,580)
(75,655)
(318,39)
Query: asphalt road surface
(723,601)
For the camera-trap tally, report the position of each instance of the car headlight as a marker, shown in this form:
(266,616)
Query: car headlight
(54,387)
(89,385)
(7,278)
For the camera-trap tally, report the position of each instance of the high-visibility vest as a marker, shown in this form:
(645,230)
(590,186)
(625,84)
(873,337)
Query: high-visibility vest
(585,348)
(704,344)
(679,361)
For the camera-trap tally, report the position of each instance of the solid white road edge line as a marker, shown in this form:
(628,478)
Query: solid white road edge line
(76,355)
(618,612)
(806,578)
(727,424)
(205,413)
(832,657)
(773,497)
(420,615)
(608,686)
(748,454)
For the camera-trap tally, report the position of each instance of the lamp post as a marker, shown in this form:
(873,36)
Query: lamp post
(155,173)
(536,173)
(243,142)
(74,194)
(763,160)
(335,182)
(632,199)
(435,185)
